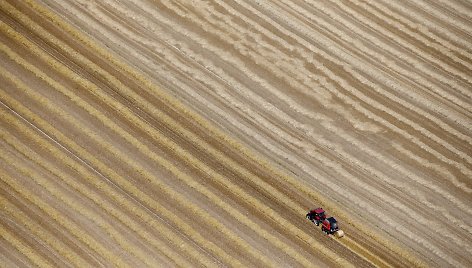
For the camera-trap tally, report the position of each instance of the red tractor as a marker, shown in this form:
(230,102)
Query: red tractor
(330,226)
(316,216)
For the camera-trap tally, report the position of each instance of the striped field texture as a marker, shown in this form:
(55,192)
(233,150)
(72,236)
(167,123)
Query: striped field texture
(160,133)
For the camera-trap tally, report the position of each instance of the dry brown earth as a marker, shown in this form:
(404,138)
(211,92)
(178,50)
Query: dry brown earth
(198,133)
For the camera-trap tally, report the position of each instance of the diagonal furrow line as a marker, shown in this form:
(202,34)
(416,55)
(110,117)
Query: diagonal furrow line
(78,208)
(49,238)
(148,85)
(100,201)
(446,42)
(385,47)
(142,103)
(186,157)
(440,16)
(22,247)
(425,23)
(297,126)
(412,30)
(10,221)
(115,178)
(346,86)
(69,225)
(419,65)
(456,8)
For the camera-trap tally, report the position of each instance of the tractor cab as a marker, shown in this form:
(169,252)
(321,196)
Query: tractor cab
(316,215)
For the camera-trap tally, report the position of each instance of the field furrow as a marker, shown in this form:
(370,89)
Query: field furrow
(198,134)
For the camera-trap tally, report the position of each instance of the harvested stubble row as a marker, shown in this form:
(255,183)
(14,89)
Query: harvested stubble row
(25,249)
(126,115)
(88,175)
(58,217)
(173,147)
(118,180)
(75,206)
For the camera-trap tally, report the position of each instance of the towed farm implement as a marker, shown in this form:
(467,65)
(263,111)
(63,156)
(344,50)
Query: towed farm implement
(328,225)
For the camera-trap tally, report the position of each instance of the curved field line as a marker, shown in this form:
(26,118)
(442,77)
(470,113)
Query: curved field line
(422,184)
(55,215)
(179,152)
(217,133)
(438,15)
(420,28)
(101,202)
(448,161)
(426,23)
(353,61)
(108,229)
(334,131)
(419,66)
(285,118)
(443,47)
(22,247)
(404,44)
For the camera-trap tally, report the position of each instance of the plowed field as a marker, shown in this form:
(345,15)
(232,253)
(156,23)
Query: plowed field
(199,133)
